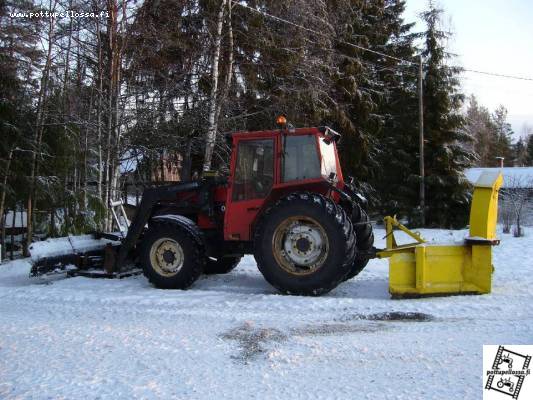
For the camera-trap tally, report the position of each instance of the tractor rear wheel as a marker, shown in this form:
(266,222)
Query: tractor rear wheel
(222,265)
(365,240)
(172,258)
(304,244)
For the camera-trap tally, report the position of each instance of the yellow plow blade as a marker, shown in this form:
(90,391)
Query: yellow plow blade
(420,268)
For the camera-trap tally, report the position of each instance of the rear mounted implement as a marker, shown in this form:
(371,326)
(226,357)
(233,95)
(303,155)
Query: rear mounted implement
(430,269)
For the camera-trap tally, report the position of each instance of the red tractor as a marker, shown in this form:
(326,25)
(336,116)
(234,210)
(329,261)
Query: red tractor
(285,201)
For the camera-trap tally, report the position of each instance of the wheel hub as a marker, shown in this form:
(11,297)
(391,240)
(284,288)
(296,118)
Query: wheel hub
(303,245)
(169,257)
(300,245)
(166,256)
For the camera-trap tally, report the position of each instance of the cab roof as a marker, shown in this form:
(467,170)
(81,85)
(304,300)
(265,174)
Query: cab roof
(322,130)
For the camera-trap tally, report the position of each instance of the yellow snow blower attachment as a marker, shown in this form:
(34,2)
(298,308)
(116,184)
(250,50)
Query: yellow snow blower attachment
(430,269)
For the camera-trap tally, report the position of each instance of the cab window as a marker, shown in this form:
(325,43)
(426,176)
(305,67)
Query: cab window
(300,160)
(254,170)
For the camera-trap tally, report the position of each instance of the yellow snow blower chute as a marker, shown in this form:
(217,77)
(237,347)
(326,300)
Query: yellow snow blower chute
(427,269)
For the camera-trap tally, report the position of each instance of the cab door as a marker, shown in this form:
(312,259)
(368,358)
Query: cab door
(253,172)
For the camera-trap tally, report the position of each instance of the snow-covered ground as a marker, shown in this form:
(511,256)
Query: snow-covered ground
(233,336)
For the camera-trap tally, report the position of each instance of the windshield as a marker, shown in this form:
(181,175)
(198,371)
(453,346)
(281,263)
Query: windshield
(300,159)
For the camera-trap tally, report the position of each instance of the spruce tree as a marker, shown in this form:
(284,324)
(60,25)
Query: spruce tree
(396,178)
(373,96)
(480,127)
(519,150)
(447,190)
(281,67)
(503,136)
(356,90)
(529,152)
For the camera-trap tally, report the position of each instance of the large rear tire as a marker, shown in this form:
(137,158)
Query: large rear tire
(364,238)
(222,265)
(304,244)
(171,257)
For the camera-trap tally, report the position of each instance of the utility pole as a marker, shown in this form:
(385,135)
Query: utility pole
(421,140)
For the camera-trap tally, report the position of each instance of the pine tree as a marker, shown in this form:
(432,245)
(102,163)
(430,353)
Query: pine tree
(447,194)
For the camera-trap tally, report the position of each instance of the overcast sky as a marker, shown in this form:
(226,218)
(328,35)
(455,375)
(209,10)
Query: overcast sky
(493,36)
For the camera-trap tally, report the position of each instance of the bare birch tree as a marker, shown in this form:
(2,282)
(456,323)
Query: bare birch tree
(517,197)
(211,135)
(39,125)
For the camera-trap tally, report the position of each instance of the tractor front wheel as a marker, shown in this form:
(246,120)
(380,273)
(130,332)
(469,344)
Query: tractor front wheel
(171,256)
(304,244)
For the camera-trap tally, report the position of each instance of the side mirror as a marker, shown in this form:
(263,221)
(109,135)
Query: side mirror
(329,134)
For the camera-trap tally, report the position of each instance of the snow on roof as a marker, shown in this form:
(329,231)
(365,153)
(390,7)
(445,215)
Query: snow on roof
(513,177)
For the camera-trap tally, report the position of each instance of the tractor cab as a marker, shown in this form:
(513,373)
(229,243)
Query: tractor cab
(266,165)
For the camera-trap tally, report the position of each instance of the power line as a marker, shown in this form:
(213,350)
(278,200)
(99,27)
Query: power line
(522,78)
(323,34)
(273,17)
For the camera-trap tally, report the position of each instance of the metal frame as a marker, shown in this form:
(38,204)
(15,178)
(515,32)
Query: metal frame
(119,204)
(151,198)
(392,245)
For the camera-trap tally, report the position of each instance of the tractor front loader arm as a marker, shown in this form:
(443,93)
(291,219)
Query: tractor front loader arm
(151,197)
